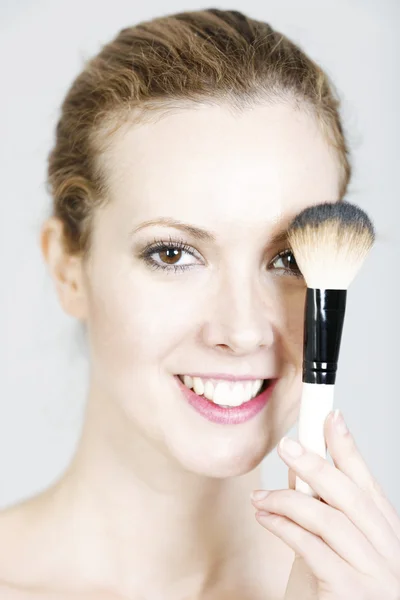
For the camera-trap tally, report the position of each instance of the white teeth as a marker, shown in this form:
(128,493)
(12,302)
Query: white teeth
(224,393)
(248,390)
(209,390)
(198,386)
(188,381)
(237,395)
(256,387)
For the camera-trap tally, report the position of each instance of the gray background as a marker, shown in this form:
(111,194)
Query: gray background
(43,367)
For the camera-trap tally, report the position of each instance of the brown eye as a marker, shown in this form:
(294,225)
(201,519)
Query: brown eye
(173,256)
(170,256)
(285,261)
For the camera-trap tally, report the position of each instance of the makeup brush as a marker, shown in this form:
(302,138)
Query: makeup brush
(330,242)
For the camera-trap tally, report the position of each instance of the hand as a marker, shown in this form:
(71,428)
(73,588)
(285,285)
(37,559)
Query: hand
(347,544)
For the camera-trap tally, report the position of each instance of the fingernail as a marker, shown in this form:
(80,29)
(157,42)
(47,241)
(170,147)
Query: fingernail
(339,422)
(291,448)
(259,495)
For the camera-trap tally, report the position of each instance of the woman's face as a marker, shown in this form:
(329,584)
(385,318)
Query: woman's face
(224,303)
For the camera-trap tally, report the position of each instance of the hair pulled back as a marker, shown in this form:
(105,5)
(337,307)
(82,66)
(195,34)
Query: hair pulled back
(207,56)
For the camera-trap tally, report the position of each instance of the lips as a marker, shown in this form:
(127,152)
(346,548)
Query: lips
(231,415)
(224,392)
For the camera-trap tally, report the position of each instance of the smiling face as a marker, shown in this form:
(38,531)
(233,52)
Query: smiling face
(217,301)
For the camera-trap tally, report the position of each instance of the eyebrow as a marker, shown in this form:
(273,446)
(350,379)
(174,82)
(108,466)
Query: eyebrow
(196,232)
(201,234)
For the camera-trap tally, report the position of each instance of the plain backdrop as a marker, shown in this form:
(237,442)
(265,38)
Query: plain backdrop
(43,44)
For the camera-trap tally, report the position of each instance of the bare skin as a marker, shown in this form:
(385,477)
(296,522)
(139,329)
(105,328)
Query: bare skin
(243,571)
(156,501)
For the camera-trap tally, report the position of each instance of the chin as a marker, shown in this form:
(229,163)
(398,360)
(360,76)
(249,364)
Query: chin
(226,456)
(218,450)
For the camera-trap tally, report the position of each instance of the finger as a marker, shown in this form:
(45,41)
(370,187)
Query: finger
(342,493)
(292,483)
(330,524)
(302,583)
(323,562)
(347,458)
(291,479)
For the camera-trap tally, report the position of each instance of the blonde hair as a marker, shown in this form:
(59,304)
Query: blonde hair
(207,56)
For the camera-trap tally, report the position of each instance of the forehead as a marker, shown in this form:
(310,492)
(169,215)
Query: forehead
(209,163)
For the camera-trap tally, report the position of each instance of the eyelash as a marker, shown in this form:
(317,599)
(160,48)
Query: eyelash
(158,246)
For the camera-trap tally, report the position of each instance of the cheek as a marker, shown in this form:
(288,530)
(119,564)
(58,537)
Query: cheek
(295,328)
(293,323)
(134,319)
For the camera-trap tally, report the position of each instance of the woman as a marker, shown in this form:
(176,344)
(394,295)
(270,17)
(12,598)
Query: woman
(182,152)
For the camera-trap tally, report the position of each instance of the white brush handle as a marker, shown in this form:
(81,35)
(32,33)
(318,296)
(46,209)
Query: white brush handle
(316,404)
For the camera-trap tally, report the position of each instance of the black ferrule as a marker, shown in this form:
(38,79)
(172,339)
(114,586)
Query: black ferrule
(323,324)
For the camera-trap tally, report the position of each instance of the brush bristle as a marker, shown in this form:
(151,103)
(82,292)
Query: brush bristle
(330,242)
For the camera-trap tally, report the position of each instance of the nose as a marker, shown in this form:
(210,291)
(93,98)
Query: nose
(242,317)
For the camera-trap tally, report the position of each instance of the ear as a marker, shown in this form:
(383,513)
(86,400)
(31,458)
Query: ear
(66,270)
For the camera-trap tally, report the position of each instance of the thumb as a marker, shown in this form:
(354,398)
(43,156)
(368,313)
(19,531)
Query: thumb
(302,583)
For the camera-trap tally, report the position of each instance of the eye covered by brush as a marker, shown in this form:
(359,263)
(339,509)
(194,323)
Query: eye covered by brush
(330,242)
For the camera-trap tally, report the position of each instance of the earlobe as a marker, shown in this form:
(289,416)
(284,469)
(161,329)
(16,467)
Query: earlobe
(65,269)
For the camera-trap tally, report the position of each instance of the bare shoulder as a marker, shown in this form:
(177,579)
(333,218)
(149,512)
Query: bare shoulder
(13,521)
(23,562)
(9,591)
(12,527)
(18,553)
(13,592)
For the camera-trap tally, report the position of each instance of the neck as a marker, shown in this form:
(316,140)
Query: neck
(138,513)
